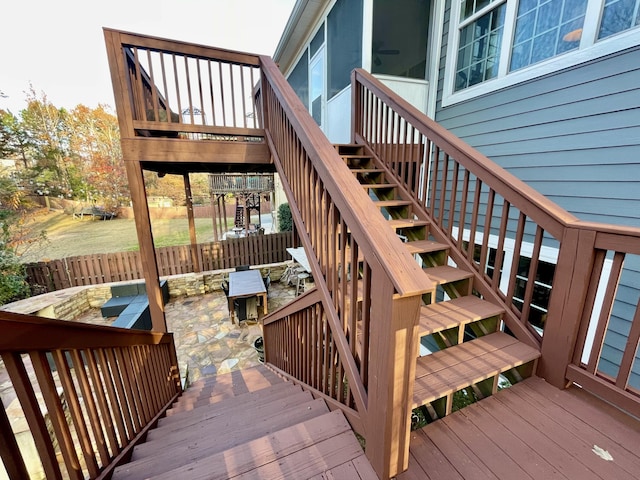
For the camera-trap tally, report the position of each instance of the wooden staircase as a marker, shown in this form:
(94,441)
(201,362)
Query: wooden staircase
(248,423)
(469,352)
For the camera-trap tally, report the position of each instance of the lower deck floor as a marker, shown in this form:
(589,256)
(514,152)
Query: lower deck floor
(529,431)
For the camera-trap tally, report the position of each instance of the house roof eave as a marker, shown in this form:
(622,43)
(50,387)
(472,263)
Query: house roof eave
(303,18)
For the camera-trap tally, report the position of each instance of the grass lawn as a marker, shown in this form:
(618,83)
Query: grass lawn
(68,237)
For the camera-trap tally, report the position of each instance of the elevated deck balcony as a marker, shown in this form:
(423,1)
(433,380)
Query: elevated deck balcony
(186,108)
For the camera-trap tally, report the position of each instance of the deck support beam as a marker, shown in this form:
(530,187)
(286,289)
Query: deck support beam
(145,240)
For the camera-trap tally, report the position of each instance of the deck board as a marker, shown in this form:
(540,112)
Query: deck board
(531,430)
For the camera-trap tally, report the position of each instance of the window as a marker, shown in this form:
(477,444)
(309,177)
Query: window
(344,43)
(400,34)
(619,15)
(545,28)
(478,54)
(299,79)
(501,42)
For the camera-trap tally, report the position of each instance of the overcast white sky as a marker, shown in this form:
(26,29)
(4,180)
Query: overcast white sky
(58,45)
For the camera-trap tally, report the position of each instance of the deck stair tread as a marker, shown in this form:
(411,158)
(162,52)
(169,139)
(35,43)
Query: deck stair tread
(392,203)
(215,388)
(447,371)
(305,450)
(196,442)
(368,170)
(425,246)
(397,223)
(243,431)
(456,312)
(447,274)
(381,186)
(247,400)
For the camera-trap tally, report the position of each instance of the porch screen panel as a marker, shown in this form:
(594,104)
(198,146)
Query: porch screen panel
(399,45)
(299,79)
(344,41)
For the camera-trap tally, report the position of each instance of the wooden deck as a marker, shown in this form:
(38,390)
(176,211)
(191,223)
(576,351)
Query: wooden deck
(529,431)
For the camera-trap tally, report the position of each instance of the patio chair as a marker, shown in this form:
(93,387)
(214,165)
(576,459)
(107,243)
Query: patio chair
(242,268)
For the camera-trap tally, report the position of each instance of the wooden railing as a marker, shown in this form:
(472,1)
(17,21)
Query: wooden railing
(240,183)
(94,269)
(501,228)
(176,87)
(88,393)
(355,335)
(609,257)
(508,235)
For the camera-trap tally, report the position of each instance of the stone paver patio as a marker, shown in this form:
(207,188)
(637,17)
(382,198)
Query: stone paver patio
(206,340)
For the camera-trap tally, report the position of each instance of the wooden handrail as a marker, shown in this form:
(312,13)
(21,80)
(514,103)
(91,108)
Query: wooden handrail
(23,333)
(195,50)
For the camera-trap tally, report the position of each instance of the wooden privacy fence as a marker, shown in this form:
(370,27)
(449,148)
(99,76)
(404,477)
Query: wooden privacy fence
(114,267)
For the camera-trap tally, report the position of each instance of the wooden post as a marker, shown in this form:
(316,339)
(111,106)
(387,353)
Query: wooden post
(192,224)
(566,305)
(392,370)
(145,240)
(214,217)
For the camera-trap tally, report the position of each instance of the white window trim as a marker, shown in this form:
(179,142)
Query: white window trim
(590,49)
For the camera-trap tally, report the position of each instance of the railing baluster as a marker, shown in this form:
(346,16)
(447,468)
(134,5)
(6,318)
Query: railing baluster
(14,364)
(10,454)
(605,311)
(630,350)
(102,396)
(167,106)
(56,414)
(463,208)
(516,259)
(233,95)
(590,301)
(177,82)
(202,113)
(443,192)
(487,232)
(435,166)
(504,222)
(533,269)
(93,417)
(453,198)
(155,105)
(125,370)
(72,401)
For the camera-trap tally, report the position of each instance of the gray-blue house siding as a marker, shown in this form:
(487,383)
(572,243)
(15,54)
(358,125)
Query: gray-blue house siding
(573,135)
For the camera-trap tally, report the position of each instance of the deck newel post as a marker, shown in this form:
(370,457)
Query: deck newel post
(566,305)
(394,339)
(145,240)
